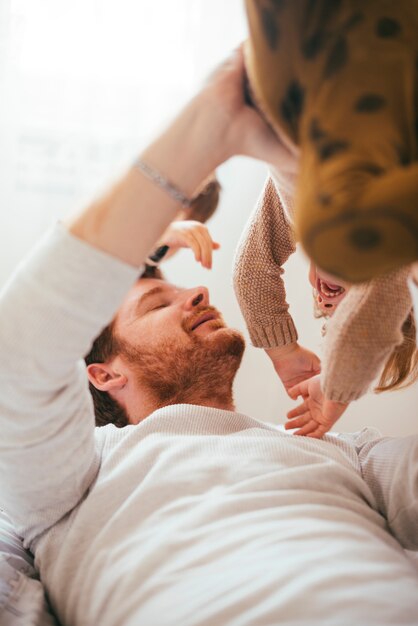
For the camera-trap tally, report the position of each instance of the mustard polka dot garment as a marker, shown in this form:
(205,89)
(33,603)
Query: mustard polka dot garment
(339,79)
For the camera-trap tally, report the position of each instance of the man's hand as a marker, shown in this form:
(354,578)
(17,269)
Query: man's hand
(244,131)
(193,235)
(316,415)
(294,364)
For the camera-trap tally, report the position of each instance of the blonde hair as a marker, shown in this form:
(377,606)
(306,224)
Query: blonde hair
(401,368)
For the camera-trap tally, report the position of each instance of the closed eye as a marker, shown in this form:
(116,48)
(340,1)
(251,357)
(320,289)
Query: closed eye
(158,304)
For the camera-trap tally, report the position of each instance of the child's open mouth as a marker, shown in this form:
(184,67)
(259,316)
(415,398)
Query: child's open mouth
(328,291)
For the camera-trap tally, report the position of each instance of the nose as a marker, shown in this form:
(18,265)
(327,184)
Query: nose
(195,297)
(326,307)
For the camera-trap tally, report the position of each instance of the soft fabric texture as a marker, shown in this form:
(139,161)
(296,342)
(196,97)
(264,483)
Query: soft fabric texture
(195,516)
(413,288)
(352,333)
(22,598)
(339,79)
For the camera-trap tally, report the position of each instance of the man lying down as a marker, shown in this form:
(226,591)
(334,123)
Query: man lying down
(192,513)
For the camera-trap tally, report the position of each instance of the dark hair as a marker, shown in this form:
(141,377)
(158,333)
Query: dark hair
(104,347)
(206,202)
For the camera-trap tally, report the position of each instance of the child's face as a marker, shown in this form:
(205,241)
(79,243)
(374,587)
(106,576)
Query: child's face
(328,293)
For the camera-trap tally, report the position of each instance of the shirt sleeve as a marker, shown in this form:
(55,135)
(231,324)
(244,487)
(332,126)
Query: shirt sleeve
(265,245)
(57,302)
(390,468)
(363,333)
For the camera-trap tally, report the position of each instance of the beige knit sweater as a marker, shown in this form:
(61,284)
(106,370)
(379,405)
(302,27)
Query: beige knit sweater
(362,333)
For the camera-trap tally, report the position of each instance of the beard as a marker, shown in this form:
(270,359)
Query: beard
(201,370)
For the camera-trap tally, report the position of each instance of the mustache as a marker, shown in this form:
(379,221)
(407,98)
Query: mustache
(188,323)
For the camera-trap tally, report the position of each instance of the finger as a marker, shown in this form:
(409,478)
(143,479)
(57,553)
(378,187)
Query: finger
(300,389)
(318,433)
(205,243)
(298,410)
(215,245)
(294,392)
(192,243)
(298,422)
(310,427)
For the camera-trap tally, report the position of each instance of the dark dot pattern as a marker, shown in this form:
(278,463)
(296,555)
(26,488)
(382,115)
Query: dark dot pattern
(337,58)
(364,238)
(322,12)
(354,20)
(403,156)
(324,199)
(292,106)
(370,103)
(373,169)
(387,27)
(277,5)
(331,148)
(270,27)
(316,132)
(314,45)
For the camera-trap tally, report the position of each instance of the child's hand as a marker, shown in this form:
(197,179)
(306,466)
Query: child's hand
(316,415)
(293,364)
(190,234)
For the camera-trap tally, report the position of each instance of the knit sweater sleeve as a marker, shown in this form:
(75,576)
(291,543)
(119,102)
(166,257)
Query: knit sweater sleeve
(59,299)
(363,333)
(265,245)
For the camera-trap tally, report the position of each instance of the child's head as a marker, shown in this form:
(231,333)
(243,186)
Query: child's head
(401,368)
(326,291)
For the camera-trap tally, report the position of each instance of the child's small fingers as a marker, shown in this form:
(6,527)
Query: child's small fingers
(298,410)
(294,392)
(310,427)
(193,244)
(318,433)
(298,422)
(205,243)
(215,245)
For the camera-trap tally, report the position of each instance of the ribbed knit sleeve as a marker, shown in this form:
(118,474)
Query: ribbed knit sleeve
(362,334)
(390,468)
(265,245)
(59,299)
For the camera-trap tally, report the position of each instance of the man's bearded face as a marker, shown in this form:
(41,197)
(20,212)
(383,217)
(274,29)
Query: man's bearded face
(176,342)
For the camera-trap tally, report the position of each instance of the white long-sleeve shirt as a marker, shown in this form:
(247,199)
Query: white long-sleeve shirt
(195,516)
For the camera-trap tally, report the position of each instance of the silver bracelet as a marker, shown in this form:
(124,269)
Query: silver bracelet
(163,183)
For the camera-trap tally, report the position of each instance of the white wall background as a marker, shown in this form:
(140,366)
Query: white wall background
(84,85)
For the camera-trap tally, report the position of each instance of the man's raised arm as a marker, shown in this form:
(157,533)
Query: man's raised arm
(70,287)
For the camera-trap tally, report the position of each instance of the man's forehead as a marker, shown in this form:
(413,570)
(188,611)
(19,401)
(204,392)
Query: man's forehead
(142,287)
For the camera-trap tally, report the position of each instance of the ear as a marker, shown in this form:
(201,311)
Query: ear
(104,378)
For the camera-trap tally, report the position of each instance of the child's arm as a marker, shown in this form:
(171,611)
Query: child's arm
(265,246)
(188,234)
(362,334)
